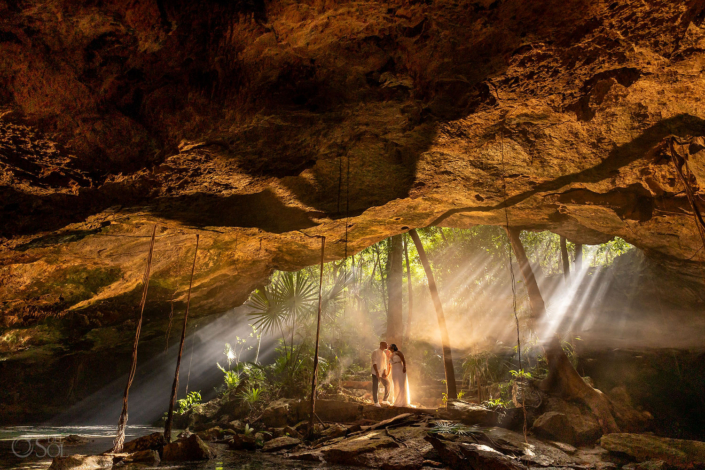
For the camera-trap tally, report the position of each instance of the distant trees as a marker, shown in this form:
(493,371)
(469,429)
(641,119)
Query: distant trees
(395,325)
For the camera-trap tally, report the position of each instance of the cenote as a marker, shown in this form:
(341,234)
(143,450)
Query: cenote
(459,234)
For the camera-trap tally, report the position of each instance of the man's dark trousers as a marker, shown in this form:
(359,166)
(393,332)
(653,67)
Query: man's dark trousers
(375,386)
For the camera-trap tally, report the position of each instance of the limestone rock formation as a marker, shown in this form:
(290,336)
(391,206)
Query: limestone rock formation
(186,450)
(679,453)
(248,122)
(281,443)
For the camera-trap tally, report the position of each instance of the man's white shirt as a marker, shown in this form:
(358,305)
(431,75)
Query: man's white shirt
(379,357)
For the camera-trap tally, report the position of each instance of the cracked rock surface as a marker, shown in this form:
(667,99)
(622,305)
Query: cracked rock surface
(249,122)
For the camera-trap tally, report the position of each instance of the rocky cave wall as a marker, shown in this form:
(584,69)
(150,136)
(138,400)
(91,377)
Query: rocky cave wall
(248,122)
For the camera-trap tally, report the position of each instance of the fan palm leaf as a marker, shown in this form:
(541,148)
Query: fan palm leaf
(267,311)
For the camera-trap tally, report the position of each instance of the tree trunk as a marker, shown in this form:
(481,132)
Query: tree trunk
(447,355)
(175,385)
(314,378)
(122,422)
(538,308)
(409,286)
(564,257)
(578,256)
(562,379)
(382,277)
(395,323)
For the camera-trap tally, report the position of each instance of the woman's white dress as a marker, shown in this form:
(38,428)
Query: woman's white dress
(400,383)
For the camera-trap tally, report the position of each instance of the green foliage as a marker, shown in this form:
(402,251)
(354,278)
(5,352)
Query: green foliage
(484,368)
(231,378)
(497,403)
(251,396)
(471,270)
(290,295)
(248,431)
(606,253)
(520,374)
(185,404)
(254,374)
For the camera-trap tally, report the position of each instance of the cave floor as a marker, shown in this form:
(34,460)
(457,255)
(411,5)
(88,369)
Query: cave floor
(101,437)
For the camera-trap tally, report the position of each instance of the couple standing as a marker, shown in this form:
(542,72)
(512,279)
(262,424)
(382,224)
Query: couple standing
(386,362)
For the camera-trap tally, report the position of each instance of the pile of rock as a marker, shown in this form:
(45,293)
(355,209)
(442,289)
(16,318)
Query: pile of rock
(462,435)
(148,450)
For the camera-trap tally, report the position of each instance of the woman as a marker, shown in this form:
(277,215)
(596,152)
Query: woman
(399,381)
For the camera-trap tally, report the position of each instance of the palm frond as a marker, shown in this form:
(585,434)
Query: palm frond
(267,312)
(448,427)
(335,293)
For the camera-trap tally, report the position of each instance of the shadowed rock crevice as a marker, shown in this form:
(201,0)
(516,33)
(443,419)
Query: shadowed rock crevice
(641,147)
(261,210)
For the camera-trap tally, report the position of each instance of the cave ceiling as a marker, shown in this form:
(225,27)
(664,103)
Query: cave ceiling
(251,123)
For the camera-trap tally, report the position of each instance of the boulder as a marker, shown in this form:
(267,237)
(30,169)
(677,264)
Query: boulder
(583,425)
(307,456)
(468,413)
(628,418)
(679,453)
(280,413)
(351,451)
(535,453)
(144,457)
(236,425)
(485,457)
(334,431)
(186,450)
(152,441)
(397,459)
(243,442)
(212,434)
(567,448)
(462,455)
(81,462)
(291,432)
(554,426)
(281,443)
(338,411)
(200,416)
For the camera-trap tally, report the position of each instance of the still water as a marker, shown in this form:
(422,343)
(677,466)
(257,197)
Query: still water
(32,447)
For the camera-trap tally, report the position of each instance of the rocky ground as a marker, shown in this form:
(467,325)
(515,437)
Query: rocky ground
(551,434)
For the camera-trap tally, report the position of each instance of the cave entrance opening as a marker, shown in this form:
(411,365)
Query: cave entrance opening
(469,267)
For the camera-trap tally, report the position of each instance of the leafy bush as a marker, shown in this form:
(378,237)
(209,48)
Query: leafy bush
(185,404)
(496,403)
(485,368)
(251,396)
(520,374)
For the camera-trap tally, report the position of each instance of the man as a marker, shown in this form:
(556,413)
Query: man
(380,371)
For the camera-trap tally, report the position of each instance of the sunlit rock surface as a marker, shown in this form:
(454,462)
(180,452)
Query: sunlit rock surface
(248,123)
